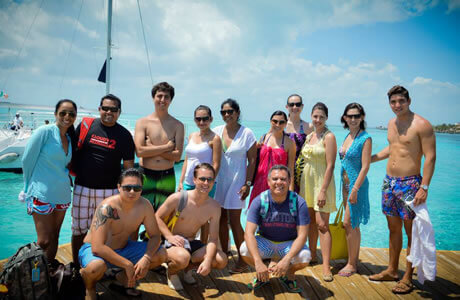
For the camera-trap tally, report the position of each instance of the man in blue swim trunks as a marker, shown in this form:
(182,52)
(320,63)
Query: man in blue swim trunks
(282,218)
(410,137)
(108,244)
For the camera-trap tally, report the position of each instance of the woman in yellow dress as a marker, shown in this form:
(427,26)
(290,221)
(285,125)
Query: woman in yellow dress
(315,176)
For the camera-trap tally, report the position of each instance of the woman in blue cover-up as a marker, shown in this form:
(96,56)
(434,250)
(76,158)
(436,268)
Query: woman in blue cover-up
(355,155)
(46,176)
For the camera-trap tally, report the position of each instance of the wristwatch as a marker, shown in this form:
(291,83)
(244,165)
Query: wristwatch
(248,183)
(424,187)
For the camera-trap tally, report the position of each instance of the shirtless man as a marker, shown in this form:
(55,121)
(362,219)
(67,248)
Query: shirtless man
(159,140)
(410,137)
(108,243)
(184,252)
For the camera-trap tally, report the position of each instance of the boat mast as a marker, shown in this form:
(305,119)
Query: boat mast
(109,46)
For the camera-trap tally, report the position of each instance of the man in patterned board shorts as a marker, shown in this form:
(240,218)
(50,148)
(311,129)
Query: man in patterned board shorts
(97,165)
(282,218)
(410,137)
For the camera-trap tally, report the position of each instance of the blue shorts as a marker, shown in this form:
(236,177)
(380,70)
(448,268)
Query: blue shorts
(133,251)
(276,250)
(189,187)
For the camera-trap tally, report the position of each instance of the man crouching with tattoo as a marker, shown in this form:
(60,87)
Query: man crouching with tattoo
(108,245)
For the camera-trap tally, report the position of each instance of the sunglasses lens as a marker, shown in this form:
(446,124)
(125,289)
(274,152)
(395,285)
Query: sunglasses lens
(128,188)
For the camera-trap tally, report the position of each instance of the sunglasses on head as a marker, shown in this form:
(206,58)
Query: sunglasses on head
(204,179)
(280,122)
(356,116)
(129,187)
(63,113)
(204,119)
(227,112)
(296,104)
(110,108)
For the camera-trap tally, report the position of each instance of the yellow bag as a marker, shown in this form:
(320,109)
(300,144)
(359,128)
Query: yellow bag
(339,240)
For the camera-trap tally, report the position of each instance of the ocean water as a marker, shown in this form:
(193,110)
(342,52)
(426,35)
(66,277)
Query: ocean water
(17,228)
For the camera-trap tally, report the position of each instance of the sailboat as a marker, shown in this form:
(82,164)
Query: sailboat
(13,142)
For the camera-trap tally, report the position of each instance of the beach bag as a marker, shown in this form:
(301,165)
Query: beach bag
(69,283)
(26,275)
(339,240)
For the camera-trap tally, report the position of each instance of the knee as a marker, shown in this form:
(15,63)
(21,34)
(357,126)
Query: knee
(94,270)
(221,260)
(44,242)
(395,229)
(181,259)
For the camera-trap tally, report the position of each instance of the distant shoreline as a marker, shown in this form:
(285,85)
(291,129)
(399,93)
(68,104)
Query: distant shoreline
(444,128)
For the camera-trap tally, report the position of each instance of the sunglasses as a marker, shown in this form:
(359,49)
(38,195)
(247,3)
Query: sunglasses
(357,116)
(296,104)
(280,122)
(110,108)
(202,119)
(204,179)
(63,113)
(127,188)
(227,112)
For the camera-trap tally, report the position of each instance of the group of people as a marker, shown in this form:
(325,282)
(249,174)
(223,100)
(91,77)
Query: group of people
(290,170)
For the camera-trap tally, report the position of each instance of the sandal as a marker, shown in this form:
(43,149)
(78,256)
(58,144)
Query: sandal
(328,277)
(290,285)
(346,273)
(256,284)
(126,291)
(403,287)
(383,276)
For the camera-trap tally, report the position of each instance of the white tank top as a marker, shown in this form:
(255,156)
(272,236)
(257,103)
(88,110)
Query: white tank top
(196,153)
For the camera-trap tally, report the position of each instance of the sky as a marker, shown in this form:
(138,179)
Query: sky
(257,52)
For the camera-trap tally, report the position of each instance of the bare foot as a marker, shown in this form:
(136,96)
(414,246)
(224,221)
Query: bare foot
(384,276)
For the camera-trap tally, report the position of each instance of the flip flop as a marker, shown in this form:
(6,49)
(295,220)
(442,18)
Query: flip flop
(346,273)
(403,287)
(256,284)
(383,276)
(290,285)
(126,291)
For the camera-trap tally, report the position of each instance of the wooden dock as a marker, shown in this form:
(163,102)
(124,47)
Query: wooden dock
(223,285)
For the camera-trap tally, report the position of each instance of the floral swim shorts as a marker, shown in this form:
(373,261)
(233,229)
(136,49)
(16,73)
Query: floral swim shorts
(396,191)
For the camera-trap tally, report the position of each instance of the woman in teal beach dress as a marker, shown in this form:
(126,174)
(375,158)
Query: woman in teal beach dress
(355,156)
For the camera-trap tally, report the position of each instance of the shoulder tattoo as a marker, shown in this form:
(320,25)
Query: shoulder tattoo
(103,213)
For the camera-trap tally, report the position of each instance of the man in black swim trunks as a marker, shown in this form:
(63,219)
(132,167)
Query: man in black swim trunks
(184,252)
(159,140)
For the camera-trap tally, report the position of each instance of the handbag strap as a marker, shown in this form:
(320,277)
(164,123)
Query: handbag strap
(338,217)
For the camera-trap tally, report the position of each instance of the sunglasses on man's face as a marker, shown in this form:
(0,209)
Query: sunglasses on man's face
(63,113)
(227,112)
(357,116)
(110,108)
(280,122)
(202,119)
(135,187)
(204,179)
(296,104)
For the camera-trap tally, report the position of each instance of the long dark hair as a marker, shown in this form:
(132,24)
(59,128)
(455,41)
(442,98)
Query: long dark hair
(320,106)
(71,130)
(233,104)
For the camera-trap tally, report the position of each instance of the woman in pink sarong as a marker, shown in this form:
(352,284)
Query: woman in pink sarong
(276,148)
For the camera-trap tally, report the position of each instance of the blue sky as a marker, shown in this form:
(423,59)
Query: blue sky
(257,52)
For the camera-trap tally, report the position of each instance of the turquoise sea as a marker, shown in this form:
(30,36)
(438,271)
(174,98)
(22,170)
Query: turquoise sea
(17,228)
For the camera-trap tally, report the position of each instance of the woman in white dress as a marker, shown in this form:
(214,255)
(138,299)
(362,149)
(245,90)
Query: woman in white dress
(235,175)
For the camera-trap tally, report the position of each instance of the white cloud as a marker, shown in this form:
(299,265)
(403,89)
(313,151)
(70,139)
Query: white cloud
(421,80)
(196,27)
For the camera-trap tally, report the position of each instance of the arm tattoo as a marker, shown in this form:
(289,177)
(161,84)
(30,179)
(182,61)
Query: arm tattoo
(104,213)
